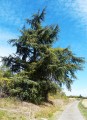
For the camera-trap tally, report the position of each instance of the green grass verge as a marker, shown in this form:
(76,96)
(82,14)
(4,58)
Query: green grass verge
(83,110)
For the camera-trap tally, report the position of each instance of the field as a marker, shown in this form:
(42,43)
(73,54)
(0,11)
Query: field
(83,108)
(13,109)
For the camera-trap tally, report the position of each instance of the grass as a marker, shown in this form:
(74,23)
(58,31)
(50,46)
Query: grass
(14,109)
(4,115)
(20,109)
(9,102)
(83,110)
(47,112)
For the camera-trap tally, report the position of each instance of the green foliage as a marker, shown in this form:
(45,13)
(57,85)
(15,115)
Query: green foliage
(5,80)
(29,90)
(46,68)
(25,89)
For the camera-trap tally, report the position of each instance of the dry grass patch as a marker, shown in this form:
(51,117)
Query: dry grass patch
(13,109)
(9,103)
(83,109)
(84,103)
(4,115)
(48,110)
(17,110)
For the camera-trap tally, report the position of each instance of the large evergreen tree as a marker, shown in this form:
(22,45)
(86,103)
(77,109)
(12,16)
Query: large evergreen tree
(41,63)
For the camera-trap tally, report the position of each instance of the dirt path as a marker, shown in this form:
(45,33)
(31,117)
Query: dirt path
(71,112)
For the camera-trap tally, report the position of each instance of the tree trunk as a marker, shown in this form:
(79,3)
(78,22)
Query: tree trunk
(46,95)
(34,56)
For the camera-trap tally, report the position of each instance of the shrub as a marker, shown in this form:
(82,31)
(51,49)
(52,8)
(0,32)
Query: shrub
(25,89)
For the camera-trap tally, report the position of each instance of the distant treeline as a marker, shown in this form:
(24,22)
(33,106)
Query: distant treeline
(80,96)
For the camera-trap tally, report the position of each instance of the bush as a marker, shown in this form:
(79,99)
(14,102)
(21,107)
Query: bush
(29,90)
(20,86)
(4,86)
(25,89)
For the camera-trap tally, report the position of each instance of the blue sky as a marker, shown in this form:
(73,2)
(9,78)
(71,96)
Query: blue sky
(70,15)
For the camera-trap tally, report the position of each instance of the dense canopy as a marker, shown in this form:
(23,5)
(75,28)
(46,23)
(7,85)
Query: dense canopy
(37,62)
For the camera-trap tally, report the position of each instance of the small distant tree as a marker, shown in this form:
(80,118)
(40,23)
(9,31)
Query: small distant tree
(47,66)
(80,96)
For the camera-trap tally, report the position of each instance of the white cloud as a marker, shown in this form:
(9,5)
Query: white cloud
(79,10)
(76,9)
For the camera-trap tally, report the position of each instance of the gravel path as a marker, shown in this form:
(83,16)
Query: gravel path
(71,112)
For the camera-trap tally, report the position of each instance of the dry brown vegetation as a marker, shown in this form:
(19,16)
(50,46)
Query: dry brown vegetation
(13,109)
(83,108)
(84,103)
(17,110)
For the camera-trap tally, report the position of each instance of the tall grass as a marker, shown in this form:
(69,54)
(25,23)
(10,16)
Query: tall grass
(4,115)
(47,112)
(83,110)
